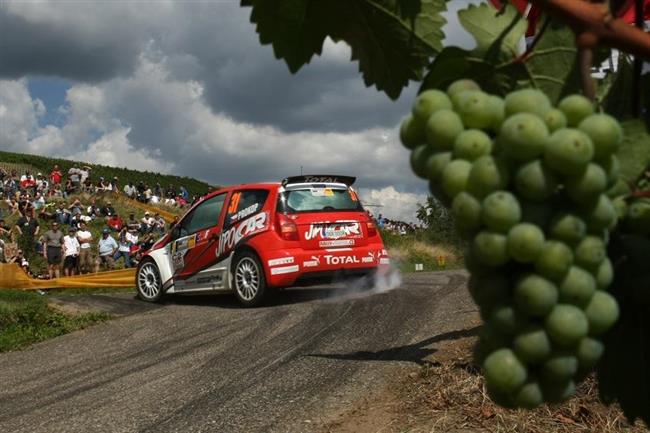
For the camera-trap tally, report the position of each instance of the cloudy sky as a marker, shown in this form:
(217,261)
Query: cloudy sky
(184,87)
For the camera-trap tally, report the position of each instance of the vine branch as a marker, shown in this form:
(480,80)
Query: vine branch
(596,19)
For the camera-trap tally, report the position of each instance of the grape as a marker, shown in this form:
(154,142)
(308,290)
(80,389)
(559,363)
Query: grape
(527,101)
(491,248)
(535,182)
(411,133)
(620,205)
(529,396)
(454,177)
(523,136)
(588,352)
(460,86)
(467,211)
(577,287)
(436,164)
(500,211)
(576,108)
(419,158)
(505,319)
(559,368)
(590,253)
(602,312)
(568,151)
(428,102)
(442,128)
(488,174)
(567,228)
(612,167)
(604,275)
(605,133)
(555,119)
(532,345)
(587,185)
(489,289)
(535,295)
(503,371)
(474,109)
(525,242)
(497,109)
(601,214)
(638,217)
(554,261)
(472,144)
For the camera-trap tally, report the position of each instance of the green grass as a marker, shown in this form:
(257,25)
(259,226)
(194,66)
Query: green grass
(405,251)
(25,318)
(45,164)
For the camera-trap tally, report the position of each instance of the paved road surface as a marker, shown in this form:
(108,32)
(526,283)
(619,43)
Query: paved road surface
(202,364)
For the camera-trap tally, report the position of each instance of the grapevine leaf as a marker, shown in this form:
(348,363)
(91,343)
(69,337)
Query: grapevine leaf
(494,30)
(634,154)
(393,40)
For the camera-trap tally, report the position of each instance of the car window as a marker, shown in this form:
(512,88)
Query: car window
(203,216)
(244,203)
(319,200)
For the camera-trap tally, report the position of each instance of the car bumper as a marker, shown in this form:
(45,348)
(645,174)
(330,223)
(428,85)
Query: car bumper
(284,268)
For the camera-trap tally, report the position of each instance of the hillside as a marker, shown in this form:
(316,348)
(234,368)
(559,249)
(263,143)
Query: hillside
(44,164)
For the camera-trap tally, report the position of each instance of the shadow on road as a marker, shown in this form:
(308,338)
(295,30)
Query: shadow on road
(416,352)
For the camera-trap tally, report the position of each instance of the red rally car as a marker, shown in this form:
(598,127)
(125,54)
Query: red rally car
(248,238)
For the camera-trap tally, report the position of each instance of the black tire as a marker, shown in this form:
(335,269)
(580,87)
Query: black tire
(148,281)
(248,281)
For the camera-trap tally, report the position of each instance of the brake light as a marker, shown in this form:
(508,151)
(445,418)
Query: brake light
(372,229)
(286,228)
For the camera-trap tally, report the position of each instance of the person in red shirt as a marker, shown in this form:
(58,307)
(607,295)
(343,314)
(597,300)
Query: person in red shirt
(56,176)
(115,222)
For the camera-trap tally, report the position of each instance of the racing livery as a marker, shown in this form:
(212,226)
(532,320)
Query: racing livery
(248,238)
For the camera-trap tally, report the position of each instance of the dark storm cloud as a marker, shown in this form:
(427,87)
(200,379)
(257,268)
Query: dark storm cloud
(48,49)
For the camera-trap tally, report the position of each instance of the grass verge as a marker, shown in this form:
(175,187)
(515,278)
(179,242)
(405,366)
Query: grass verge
(26,318)
(407,250)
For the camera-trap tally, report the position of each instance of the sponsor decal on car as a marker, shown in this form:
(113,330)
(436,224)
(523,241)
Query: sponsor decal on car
(340,260)
(245,212)
(335,230)
(370,258)
(183,244)
(384,261)
(282,261)
(336,243)
(314,262)
(284,270)
(247,227)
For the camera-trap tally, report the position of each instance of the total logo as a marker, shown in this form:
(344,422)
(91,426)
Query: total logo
(340,260)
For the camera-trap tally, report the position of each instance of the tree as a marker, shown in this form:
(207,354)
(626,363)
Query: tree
(398,41)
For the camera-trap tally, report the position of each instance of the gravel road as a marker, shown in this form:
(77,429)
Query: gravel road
(202,364)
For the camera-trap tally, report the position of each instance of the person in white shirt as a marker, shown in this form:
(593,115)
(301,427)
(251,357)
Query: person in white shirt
(71,249)
(85,255)
(147,223)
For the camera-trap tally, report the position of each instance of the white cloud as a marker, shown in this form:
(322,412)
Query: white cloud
(393,204)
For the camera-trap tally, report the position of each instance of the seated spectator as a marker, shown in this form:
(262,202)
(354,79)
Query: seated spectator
(107,210)
(62,214)
(132,224)
(76,208)
(124,247)
(85,239)
(27,225)
(5,231)
(93,209)
(39,201)
(70,188)
(147,223)
(147,243)
(102,185)
(88,186)
(13,206)
(180,201)
(42,185)
(115,222)
(48,212)
(56,191)
(107,247)
(27,181)
(75,221)
(71,248)
(55,176)
(19,259)
(159,223)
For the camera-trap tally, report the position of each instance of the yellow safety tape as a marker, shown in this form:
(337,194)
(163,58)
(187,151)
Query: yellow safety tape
(13,277)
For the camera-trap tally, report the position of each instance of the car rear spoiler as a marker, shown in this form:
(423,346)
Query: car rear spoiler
(319,178)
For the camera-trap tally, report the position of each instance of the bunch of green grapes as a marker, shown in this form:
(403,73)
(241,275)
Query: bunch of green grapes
(526,183)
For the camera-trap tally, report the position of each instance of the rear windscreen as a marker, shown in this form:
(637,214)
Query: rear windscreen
(319,200)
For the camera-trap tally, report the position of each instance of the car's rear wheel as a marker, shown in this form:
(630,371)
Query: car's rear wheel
(248,279)
(148,281)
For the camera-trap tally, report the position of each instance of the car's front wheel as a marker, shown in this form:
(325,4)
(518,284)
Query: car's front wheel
(148,281)
(248,279)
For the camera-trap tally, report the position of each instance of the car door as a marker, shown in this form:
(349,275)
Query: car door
(192,250)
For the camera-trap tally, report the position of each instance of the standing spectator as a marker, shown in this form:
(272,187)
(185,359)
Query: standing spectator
(71,248)
(129,190)
(74,178)
(52,244)
(75,221)
(115,187)
(159,223)
(84,174)
(158,191)
(147,223)
(115,222)
(124,247)
(56,176)
(27,225)
(85,239)
(107,248)
(185,194)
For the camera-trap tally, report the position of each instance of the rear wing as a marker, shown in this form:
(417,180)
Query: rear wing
(319,178)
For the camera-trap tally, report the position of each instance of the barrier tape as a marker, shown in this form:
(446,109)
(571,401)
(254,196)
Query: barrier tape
(13,277)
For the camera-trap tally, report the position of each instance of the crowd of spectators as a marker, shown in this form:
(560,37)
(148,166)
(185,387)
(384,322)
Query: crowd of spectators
(395,226)
(53,217)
